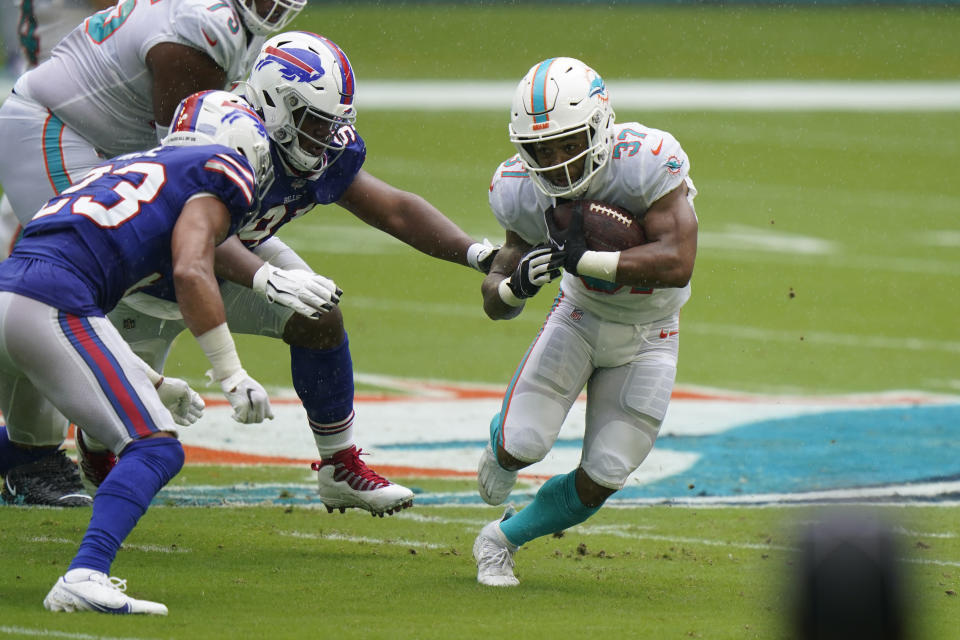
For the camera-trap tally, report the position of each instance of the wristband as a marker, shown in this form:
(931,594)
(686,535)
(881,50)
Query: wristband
(599,264)
(217,345)
(507,295)
(155,377)
(473,254)
(261,277)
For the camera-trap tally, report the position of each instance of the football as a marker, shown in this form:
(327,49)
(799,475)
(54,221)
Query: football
(606,227)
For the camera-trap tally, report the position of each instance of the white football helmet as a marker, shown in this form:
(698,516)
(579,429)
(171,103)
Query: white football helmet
(302,83)
(279,15)
(220,117)
(559,97)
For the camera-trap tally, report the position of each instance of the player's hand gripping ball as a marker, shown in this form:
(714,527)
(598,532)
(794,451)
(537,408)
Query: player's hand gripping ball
(606,227)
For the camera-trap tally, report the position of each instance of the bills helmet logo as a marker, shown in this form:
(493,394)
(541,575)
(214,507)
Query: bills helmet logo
(238,112)
(298,65)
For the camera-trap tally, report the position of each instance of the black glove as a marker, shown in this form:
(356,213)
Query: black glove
(538,267)
(570,240)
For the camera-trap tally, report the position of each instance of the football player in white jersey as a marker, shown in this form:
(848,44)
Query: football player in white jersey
(111,87)
(615,326)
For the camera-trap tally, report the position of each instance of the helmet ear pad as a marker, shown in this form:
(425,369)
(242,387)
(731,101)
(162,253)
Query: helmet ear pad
(560,97)
(301,83)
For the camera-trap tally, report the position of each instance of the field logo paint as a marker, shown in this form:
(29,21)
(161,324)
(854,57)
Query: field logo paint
(714,445)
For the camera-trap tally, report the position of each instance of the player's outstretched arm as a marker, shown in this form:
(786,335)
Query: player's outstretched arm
(203,222)
(411,219)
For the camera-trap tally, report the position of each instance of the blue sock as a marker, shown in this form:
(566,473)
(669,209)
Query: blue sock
(556,507)
(12,455)
(323,379)
(143,469)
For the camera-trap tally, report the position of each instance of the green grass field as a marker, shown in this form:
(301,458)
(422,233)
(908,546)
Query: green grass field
(873,309)
(275,572)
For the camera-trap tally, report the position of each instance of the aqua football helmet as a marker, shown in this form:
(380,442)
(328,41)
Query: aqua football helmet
(279,15)
(560,97)
(302,84)
(220,117)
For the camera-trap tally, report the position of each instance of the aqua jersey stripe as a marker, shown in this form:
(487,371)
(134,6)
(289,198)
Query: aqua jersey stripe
(538,99)
(53,154)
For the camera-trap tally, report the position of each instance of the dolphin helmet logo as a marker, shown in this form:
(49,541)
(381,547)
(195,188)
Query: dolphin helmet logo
(597,88)
(305,66)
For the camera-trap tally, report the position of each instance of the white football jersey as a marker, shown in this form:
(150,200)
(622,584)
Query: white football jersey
(97,80)
(645,164)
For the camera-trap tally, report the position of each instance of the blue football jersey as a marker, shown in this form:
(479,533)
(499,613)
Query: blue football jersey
(111,230)
(290,196)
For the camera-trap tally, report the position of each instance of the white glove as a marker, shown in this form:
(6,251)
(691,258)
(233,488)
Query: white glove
(308,294)
(185,404)
(249,400)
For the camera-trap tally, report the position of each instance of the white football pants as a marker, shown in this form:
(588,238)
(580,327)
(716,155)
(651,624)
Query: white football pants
(628,371)
(56,367)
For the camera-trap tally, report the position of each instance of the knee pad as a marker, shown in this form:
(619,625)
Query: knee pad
(612,453)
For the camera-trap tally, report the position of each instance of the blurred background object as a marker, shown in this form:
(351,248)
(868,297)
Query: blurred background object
(850,580)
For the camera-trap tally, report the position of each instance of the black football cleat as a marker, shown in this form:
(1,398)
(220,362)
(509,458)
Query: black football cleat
(52,481)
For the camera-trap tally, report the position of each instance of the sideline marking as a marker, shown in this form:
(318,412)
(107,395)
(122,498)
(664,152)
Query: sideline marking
(692,94)
(700,95)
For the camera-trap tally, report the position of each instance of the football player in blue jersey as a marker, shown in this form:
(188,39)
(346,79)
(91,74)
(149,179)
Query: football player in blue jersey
(109,88)
(139,214)
(303,85)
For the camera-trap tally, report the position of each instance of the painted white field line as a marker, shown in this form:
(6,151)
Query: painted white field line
(678,94)
(152,548)
(923,534)
(47,633)
(629,532)
(823,337)
(729,330)
(399,542)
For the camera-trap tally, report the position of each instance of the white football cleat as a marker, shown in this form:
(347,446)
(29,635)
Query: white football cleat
(89,590)
(494,554)
(493,481)
(345,481)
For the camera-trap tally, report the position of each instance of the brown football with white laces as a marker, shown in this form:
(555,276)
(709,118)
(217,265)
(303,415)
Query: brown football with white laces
(606,227)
